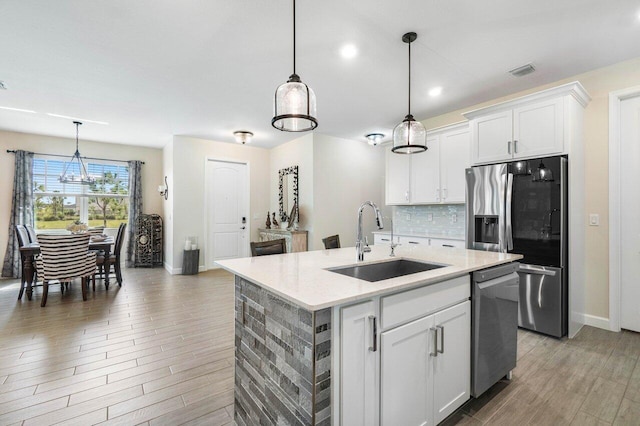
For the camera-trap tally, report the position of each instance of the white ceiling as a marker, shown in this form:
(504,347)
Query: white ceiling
(204,68)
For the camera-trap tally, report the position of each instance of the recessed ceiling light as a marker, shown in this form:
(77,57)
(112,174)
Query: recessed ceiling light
(84,120)
(18,109)
(436,91)
(349,51)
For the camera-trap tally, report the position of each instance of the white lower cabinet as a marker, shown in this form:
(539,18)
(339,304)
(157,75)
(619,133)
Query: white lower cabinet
(419,371)
(425,368)
(358,365)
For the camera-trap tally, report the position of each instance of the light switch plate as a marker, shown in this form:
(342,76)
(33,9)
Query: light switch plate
(594,219)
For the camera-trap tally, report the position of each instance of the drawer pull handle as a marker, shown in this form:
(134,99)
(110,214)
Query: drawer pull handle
(447,245)
(385,239)
(414,242)
(441,328)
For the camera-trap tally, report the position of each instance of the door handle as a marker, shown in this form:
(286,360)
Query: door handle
(434,331)
(441,328)
(508,147)
(374,333)
(515,146)
(437,194)
(445,193)
(244,227)
(537,271)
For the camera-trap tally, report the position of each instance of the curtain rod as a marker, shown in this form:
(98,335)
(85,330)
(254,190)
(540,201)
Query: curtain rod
(13,151)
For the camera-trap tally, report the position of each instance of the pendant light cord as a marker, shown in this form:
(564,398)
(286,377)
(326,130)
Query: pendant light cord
(294,36)
(409,110)
(77,133)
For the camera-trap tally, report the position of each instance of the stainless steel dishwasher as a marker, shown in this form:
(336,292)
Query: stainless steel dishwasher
(494,313)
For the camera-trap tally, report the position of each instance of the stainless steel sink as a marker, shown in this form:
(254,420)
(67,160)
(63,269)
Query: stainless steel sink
(384,270)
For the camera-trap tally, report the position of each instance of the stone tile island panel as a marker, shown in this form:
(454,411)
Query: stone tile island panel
(283,360)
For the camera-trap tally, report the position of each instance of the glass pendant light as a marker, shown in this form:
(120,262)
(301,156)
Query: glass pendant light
(295,103)
(410,136)
(76,163)
(542,174)
(521,168)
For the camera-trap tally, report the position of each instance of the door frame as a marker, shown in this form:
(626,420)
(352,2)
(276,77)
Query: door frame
(205,218)
(615,195)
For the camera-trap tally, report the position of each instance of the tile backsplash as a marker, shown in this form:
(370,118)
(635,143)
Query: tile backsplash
(443,219)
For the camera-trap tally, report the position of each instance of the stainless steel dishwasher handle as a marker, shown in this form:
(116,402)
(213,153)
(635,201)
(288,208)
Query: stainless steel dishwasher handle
(537,271)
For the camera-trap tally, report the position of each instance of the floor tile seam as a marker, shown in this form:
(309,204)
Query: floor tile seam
(143,406)
(32,384)
(198,376)
(59,368)
(25,408)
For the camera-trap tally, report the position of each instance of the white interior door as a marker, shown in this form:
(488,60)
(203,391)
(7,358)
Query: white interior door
(629,213)
(227,211)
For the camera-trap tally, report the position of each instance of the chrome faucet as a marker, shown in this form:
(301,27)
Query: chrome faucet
(360,248)
(393,245)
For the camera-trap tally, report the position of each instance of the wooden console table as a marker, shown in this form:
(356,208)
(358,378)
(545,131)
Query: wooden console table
(296,240)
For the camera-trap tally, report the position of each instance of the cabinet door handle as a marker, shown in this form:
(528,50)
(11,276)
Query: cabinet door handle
(441,328)
(508,147)
(406,196)
(374,333)
(445,193)
(437,194)
(515,147)
(414,242)
(434,331)
(447,245)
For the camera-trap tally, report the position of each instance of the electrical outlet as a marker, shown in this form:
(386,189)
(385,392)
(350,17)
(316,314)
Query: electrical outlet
(594,219)
(430,217)
(408,217)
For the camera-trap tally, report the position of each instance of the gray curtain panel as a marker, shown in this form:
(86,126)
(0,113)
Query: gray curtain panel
(21,211)
(135,208)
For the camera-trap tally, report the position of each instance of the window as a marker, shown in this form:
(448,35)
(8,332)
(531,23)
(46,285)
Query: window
(56,204)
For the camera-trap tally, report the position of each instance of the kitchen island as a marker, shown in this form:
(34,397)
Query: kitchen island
(307,338)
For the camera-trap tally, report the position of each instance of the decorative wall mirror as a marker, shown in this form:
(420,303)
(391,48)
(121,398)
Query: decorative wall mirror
(288,197)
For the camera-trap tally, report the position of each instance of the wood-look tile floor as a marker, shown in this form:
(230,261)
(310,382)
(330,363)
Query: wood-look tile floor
(159,351)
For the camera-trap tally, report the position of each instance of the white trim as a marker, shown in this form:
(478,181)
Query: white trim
(615,149)
(599,322)
(575,89)
(247,163)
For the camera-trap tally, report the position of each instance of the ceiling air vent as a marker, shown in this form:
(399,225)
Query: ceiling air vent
(523,70)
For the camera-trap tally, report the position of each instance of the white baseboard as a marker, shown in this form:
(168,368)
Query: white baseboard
(598,322)
(178,271)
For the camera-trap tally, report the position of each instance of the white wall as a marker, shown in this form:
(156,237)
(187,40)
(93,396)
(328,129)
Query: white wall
(298,152)
(188,192)
(151,171)
(346,173)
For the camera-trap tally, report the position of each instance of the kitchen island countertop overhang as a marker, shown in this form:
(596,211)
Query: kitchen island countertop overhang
(305,279)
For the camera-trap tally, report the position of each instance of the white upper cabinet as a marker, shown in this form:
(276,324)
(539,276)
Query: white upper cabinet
(531,126)
(432,177)
(398,173)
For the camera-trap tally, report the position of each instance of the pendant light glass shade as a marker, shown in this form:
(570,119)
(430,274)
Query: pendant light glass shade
(542,174)
(295,107)
(295,104)
(410,136)
(74,165)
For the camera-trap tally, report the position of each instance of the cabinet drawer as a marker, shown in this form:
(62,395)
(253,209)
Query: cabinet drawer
(441,242)
(412,304)
(381,239)
(413,241)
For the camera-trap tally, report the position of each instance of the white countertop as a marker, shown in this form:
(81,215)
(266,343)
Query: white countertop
(423,235)
(302,278)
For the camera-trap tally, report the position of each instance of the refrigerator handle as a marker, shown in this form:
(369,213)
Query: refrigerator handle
(508,226)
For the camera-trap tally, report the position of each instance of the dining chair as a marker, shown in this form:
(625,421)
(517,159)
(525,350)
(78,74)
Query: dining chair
(32,233)
(23,238)
(331,242)
(114,257)
(263,248)
(98,230)
(63,258)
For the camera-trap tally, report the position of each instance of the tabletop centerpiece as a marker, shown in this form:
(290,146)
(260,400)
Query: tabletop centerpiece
(77,227)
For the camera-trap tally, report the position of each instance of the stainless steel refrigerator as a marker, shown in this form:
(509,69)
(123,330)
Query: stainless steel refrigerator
(521,207)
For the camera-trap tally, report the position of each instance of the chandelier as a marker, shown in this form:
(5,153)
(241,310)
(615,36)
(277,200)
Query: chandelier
(76,163)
